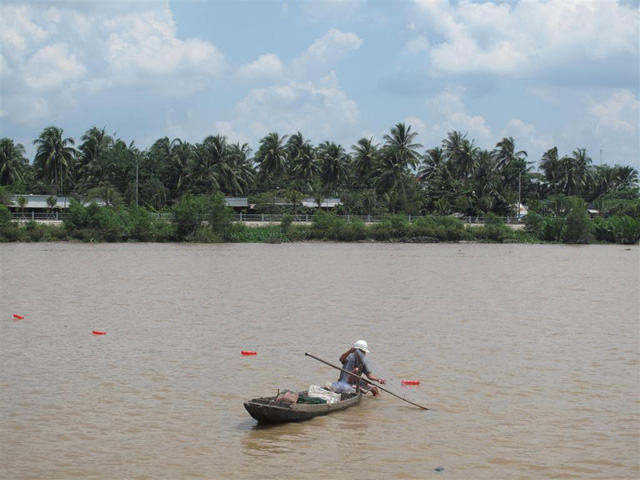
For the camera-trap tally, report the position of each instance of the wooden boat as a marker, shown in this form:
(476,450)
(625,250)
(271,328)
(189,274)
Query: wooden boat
(270,410)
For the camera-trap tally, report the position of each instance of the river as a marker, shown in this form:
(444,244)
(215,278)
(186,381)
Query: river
(528,358)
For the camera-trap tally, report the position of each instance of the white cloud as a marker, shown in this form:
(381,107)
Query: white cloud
(325,52)
(330,10)
(142,48)
(450,112)
(310,100)
(617,113)
(527,138)
(526,37)
(266,67)
(417,125)
(63,48)
(52,67)
(417,44)
(297,106)
(31,108)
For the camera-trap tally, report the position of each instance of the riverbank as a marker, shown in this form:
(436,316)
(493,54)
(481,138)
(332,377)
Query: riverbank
(107,227)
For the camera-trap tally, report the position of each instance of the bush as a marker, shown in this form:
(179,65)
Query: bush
(76,216)
(219,217)
(34,231)
(137,224)
(578,227)
(5,217)
(552,229)
(441,228)
(9,231)
(618,229)
(285,223)
(493,230)
(352,232)
(188,216)
(326,226)
(533,223)
(397,224)
(203,235)
(298,233)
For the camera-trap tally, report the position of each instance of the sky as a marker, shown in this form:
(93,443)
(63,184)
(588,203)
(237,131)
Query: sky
(549,73)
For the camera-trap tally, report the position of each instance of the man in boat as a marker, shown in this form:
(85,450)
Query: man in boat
(354,360)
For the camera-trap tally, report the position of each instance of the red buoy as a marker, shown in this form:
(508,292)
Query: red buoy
(411,382)
(97,332)
(248,352)
(18,317)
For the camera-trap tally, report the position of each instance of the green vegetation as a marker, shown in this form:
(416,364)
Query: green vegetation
(174,190)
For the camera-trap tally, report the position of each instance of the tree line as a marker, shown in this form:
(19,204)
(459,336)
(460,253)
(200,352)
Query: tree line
(397,176)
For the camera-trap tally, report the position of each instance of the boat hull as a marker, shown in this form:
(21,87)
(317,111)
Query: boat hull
(267,410)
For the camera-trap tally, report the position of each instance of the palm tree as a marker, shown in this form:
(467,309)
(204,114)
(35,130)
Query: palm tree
(576,171)
(506,153)
(96,167)
(551,167)
(94,143)
(206,171)
(400,144)
(177,168)
(295,143)
(625,177)
(305,166)
(334,163)
(54,155)
(272,157)
(392,174)
(461,154)
(486,185)
(22,202)
(242,162)
(52,201)
(434,163)
(13,163)
(365,157)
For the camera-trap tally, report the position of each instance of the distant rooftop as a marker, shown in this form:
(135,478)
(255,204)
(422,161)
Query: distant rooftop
(39,202)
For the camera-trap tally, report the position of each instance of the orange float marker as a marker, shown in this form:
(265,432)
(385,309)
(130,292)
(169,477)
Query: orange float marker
(98,332)
(18,317)
(411,382)
(248,352)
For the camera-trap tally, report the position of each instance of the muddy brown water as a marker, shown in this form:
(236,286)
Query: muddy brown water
(528,356)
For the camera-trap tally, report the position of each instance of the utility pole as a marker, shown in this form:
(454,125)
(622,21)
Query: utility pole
(137,182)
(600,157)
(519,194)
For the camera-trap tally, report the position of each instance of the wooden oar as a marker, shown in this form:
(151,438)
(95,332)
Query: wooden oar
(365,379)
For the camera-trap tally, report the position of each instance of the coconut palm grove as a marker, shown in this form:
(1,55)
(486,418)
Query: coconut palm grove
(417,191)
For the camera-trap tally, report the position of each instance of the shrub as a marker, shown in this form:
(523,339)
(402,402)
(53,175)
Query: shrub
(326,226)
(285,223)
(137,224)
(76,216)
(188,216)
(352,232)
(379,233)
(218,215)
(578,227)
(493,230)
(34,231)
(619,229)
(533,223)
(5,217)
(441,228)
(397,224)
(552,229)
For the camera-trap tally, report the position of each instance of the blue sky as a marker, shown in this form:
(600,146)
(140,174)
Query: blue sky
(548,73)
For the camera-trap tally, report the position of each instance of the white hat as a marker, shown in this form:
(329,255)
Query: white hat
(361,345)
